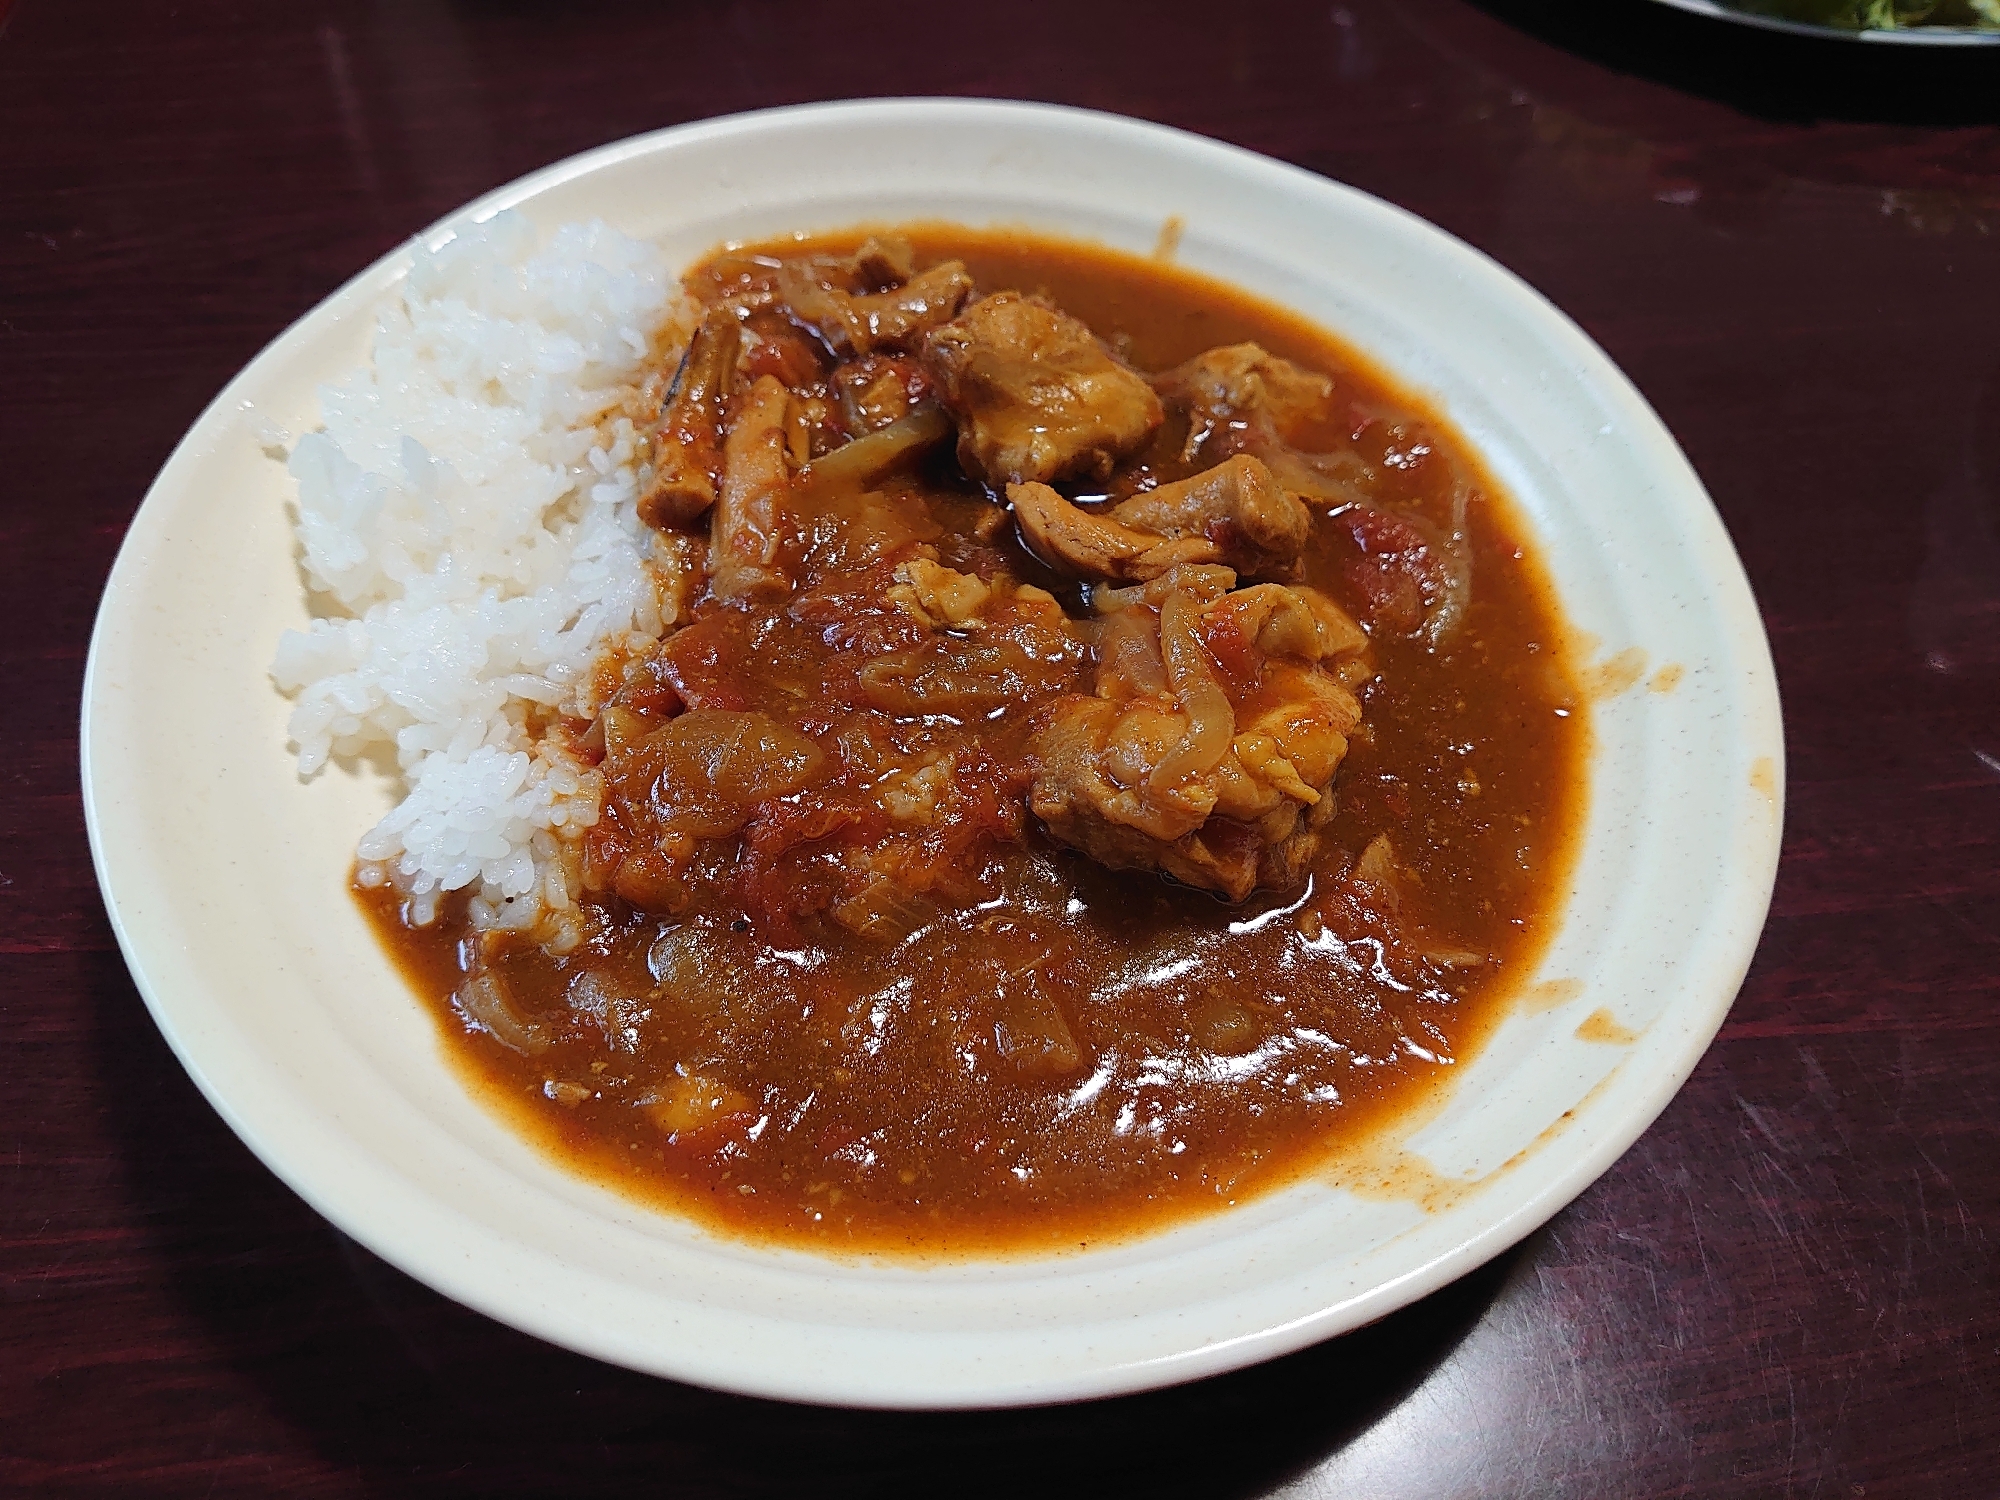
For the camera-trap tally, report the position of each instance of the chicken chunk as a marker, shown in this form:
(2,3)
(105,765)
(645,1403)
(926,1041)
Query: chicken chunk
(1234,514)
(1257,528)
(937,597)
(1097,545)
(881,262)
(1243,400)
(1219,775)
(878,390)
(1036,396)
(687,443)
(1296,622)
(862,323)
(985,648)
(1245,381)
(746,528)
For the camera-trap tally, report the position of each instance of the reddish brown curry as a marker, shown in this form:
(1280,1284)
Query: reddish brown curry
(888,949)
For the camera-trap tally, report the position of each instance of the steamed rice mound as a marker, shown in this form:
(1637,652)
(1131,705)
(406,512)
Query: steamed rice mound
(467,528)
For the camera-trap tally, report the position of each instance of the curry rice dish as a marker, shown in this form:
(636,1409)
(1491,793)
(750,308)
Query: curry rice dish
(1096,747)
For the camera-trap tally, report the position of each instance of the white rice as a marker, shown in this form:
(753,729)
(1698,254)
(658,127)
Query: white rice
(467,524)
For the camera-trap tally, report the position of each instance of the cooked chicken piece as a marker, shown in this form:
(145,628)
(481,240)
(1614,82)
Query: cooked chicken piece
(687,444)
(1295,621)
(1234,514)
(772,345)
(883,261)
(856,324)
(746,529)
(1243,400)
(878,390)
(1245,381)
(900,317)
(1376,869)
(1207,582)
(1096,545)
(1257,528)
(985,648)
(938,597)
(916,794)
(1221,779)
(941,598)
(1037,397)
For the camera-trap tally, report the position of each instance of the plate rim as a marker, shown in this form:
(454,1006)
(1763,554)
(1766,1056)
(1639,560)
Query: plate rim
(1919,36)
(1497,1236)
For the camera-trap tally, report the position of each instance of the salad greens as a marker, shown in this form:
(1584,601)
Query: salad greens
(1879,15)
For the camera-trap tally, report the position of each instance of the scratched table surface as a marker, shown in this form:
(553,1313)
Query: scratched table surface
(1787,1287)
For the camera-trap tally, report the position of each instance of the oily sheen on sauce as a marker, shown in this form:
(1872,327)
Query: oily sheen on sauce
(1054,1052)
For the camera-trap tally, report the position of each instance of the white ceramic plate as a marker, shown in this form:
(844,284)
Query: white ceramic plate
(225,874)
(1915,36)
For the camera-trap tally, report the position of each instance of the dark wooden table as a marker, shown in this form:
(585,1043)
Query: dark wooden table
(1790,1286)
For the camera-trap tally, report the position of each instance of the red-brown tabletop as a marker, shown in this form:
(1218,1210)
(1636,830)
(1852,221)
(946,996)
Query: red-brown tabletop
(1789,1286)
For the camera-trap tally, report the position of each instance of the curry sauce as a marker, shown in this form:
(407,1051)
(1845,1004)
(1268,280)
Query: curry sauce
(899,993)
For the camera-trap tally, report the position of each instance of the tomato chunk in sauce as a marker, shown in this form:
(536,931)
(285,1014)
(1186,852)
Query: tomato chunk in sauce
(1122,750)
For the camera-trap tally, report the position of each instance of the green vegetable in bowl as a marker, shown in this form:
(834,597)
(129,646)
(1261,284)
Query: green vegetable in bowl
(1880,15)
